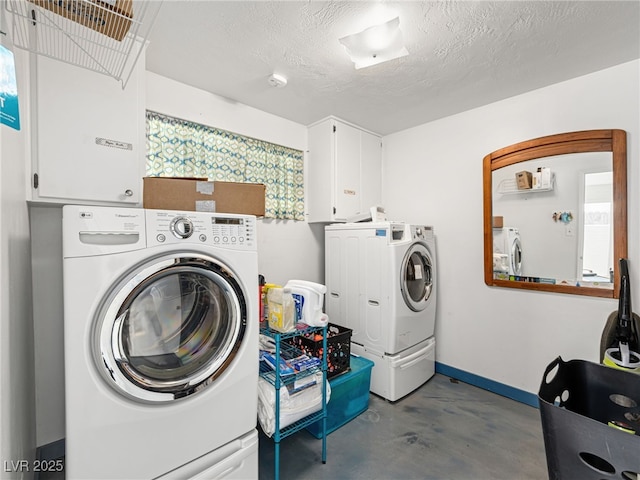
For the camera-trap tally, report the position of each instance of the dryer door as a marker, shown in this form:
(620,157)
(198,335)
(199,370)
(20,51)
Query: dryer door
(416,277)
(170,328)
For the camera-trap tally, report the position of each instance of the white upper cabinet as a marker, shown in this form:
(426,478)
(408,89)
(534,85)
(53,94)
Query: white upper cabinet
(88,134)
(371,170)
(344,171)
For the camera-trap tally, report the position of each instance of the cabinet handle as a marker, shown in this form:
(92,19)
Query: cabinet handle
(128,193)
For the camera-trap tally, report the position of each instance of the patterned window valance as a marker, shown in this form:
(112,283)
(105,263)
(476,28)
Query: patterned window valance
(178,148)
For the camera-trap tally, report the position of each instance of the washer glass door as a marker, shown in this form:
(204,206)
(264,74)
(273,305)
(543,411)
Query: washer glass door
(416,281)
(171,329)
(516,256)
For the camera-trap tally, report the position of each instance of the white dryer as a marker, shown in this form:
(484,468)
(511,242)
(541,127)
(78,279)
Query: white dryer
(380,281)
(506,243)
(161,344)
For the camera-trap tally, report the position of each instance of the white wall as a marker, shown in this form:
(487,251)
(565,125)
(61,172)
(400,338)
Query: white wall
(433,173)
(286,249)
(17,425)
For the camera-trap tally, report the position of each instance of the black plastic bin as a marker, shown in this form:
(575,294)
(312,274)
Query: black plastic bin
(579,403)
(338,348)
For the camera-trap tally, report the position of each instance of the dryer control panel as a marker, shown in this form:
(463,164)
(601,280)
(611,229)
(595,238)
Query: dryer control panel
(232,231)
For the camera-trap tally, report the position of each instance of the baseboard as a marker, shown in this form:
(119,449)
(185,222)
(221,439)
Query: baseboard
(490,385)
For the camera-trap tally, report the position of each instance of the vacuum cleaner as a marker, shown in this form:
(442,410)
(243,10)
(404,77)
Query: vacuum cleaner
(619,344)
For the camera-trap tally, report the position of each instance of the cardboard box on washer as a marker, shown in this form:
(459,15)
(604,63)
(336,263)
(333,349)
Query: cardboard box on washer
(201,195)
(109,17)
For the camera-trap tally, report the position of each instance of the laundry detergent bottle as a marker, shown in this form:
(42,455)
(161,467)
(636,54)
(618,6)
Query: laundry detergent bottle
(309,301)
(281,309)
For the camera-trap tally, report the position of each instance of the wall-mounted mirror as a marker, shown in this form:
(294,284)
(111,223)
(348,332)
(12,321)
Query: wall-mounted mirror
(555,213)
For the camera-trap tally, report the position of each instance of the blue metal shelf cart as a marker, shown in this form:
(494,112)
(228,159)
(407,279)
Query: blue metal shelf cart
(284,350)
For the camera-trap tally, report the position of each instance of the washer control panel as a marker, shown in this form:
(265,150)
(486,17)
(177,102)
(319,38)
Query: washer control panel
(217,229)
(421,232)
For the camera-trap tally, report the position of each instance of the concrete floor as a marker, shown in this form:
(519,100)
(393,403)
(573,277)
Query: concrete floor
(444,430)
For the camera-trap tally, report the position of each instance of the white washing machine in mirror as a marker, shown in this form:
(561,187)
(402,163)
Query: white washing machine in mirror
(507,251)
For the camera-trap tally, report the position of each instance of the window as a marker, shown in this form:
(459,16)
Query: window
(178,148)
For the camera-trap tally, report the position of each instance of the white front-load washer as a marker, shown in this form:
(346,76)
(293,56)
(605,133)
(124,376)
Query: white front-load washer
(380,279)
(161,343)
(414,306)
(507,243)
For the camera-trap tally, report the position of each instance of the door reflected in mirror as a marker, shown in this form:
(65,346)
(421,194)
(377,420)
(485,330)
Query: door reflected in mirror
(555,213)
(595,264)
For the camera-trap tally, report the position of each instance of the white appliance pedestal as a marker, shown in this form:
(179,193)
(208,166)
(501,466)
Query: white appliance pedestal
(397,375)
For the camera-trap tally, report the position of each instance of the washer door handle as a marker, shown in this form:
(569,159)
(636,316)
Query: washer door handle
(116,345)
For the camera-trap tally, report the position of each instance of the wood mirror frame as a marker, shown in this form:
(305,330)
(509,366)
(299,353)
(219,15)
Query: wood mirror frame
(614,141)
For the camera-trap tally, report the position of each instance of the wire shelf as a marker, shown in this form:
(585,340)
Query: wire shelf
(286,352)
(510,186)
(105,36)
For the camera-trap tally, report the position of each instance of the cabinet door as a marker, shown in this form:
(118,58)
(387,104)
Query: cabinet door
(347,182)
(89,134)
(320,173)
(371,168)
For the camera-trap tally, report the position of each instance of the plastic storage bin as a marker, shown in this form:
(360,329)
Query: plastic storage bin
(349,396)
(589,413)
(338,348)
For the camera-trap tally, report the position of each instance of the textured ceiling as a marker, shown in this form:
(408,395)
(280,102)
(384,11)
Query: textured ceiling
(462,54)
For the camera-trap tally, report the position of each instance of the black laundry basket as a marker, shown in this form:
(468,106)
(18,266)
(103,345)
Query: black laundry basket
(588,411)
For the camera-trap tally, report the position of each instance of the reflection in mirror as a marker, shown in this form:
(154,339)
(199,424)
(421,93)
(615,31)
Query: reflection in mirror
(550,244)
(555,213)
(595,229)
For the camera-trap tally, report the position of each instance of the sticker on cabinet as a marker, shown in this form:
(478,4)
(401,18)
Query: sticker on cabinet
(9,109)
(105,142)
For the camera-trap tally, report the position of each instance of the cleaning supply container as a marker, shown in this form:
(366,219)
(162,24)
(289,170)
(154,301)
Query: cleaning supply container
(281,309)
(264,290)
(309,302)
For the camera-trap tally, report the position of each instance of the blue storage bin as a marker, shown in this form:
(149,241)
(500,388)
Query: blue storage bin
(349,396)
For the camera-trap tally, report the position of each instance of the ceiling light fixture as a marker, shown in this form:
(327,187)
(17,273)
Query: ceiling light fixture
(376,44)
(276,80)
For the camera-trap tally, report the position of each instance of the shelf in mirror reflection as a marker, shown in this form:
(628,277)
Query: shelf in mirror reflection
(509,186)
